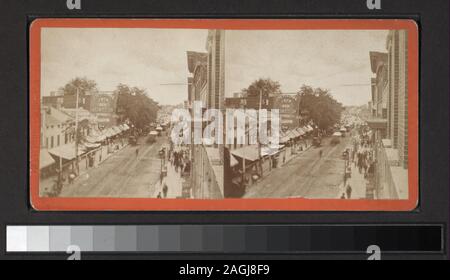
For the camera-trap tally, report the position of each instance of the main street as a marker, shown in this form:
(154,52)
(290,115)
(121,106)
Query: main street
(308,175)
(123,175)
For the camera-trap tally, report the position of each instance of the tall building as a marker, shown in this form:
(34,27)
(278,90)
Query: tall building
(379,65)
(198,83)
(397,45)
(215,47)
(380,95)
(207,84)
(389,118)
(54,128)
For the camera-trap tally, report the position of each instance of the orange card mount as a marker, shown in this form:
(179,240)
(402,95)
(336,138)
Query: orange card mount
(388,130)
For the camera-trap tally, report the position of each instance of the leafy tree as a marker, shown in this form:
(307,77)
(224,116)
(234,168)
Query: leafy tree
(83,84)
(320,107)
(268,88)
(134,105)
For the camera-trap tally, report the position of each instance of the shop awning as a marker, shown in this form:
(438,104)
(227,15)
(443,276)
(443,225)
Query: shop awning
(292,134)
(45,159)
(101,137)
(92,139)
(123,127)
(106,133)
(301,131)
(284,138)
(270,150)
(67,151)
(110,133)
(233,161)
(296,133)
(248,153)
(251,152)
(116,130)
(96,136)
(91,145)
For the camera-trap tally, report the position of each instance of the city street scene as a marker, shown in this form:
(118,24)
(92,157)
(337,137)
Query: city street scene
(106,108)
(342,100)
(119,116)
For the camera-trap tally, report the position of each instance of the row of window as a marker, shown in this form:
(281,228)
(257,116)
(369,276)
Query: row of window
(53,142)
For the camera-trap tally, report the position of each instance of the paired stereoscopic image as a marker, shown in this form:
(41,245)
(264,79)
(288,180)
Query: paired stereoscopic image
(214,114)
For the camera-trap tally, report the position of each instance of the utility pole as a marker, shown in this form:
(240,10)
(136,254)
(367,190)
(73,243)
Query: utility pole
(77,166)
(258,134)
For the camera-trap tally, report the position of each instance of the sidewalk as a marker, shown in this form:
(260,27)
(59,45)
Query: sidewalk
(173,181)
(357,182)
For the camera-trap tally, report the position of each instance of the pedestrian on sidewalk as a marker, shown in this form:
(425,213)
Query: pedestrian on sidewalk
(371,169)
(348,172)
(159,196)
(71,178)
(161,177)
(165,190)
(348,191)
(360,162)
(175,161)
(137,152)
(365,167)
(320,153)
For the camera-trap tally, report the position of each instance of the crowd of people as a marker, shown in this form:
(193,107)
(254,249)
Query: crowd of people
(361,156)
(179,159)
(364,158)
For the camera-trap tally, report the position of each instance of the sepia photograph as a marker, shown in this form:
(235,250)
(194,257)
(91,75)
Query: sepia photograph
(236,115)
(225,130)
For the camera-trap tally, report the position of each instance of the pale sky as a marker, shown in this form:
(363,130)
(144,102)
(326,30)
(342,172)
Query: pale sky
(148,58)
(330,59)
